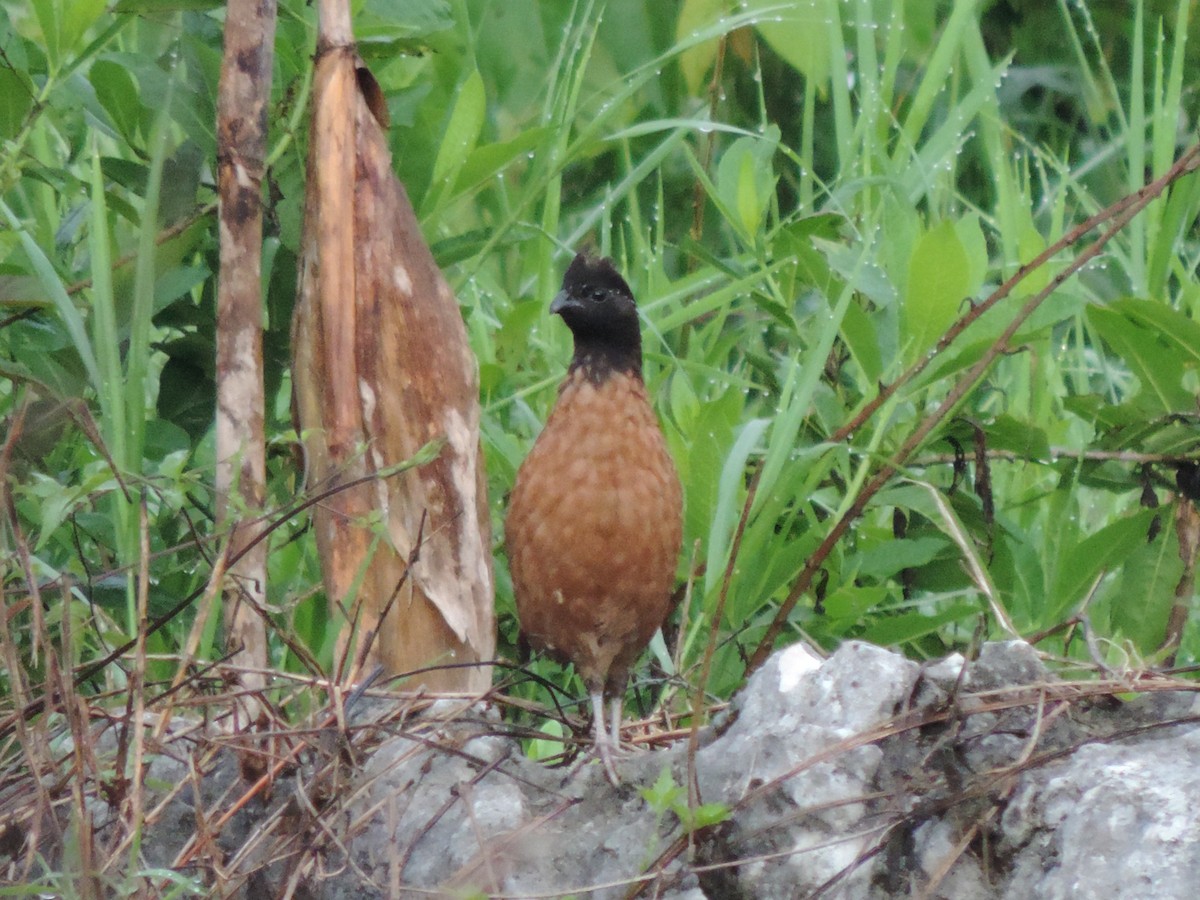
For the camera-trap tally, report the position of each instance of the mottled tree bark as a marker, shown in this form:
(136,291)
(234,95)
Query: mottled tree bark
(242,100)
(381,367)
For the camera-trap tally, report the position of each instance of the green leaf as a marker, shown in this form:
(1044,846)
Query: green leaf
(974,244)
(462,132)
(1024,438)
(905,627)
(1169,325)
(104,327)
(1140,602)
(416,18)
(695,61)
(746,181)
(77,18)
(1150,353)
(1030,244)
(939,280)
(118,93)
(55,502)
(551,745)
(700,451)
(893,556)
(157,7)
(663,794)
(729,499)
(858,331)
(49,16)
(488,159)
(63,305)
(798,32)
(685,406)
(16,97)
(1099,553)
(851,601)
(703,816)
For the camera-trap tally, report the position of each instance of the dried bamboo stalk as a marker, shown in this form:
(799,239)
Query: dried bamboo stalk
(381,367)
(243,96)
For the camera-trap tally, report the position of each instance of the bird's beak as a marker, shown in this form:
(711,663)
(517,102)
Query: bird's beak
(561,301)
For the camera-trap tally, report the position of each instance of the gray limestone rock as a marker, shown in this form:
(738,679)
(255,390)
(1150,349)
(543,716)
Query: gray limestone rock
(864,775)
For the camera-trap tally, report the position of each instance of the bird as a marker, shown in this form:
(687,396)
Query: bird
(595,518)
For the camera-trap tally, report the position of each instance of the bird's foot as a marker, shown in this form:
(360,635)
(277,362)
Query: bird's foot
(606,752)
(606,756)
(606,746)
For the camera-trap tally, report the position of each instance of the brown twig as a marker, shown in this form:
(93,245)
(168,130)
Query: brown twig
(269,526)
(994,701)
(1058,453)
(1139,199)
(714,100)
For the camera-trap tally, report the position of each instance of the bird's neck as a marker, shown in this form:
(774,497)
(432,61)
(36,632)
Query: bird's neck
(601,359)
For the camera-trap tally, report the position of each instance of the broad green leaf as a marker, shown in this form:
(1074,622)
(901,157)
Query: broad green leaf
(55,502)
(78,16)
(663,793)
(685,406)
(746,181)
(798,32)
(63,305)
(858,331)
(695,61)
(16,97)
(749,201)
(1005,432)
(1030,244)
(488,159)
(777,572)
(700,453)
(975,246)
(118,93)
(1025,438)
(410,18)
(852,601)
(1150,354)
(1140,602)
(890,557)
(552,744)
(939,280)
(49,17)
(1169,324)
(905,627)
(705,814)
(902,225)
(1100,553)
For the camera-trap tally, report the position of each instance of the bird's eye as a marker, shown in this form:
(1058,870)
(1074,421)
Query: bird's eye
(598,295)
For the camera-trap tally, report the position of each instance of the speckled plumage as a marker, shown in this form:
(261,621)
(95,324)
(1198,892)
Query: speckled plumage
(595,519)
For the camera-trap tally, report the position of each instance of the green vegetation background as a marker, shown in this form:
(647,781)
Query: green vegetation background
(798,230)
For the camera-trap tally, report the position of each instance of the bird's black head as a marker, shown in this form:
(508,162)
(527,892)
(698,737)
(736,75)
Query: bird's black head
(598,307)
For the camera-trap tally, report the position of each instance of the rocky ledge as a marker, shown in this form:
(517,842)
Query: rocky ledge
(863,775)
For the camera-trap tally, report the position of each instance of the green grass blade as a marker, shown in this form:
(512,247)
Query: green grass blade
(138,357)
(57,293)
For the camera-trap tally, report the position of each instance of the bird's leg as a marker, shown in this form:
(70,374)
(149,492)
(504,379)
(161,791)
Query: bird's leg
(602,741)
(616,720)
